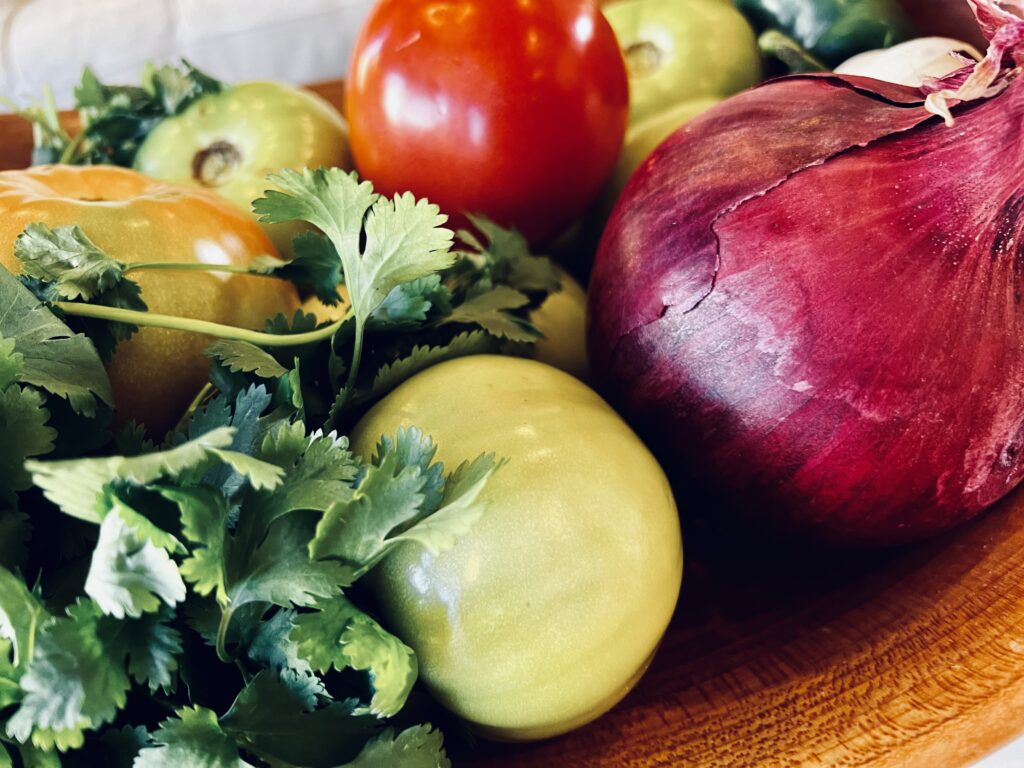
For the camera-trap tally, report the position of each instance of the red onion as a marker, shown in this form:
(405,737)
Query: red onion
(810,298)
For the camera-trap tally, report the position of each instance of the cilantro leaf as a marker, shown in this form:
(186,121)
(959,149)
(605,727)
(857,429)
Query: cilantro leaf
(248,427)
(20,616)
(405,240)
(319,470)
(259,474)
(177,88)
(395,372)
(68,259)
(53,358)
(274,647)
(76,485)
(23,423)
(10,691)
(408,304)
(461,506)
(107,334)
(131,440)
(394,503)
(315,264)
(71,683)
(152,648)
(11,363)
(194,739)
(416,747)
(490,311)
(116,119)
(279,570)
(508,258)
(328,198)
(128,575)
(270,718)
(414,449)
(355,531)
(339,635)
(149,526)
(63,263)
(204,517)
(300,322)
(36,758)
(266,561)
(381,243)
(245,357)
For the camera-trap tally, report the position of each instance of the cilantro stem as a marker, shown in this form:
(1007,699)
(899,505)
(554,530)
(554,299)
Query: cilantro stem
(68,153)
(203,393)
(191,325)
(222,637)
(192,267)
(357,354)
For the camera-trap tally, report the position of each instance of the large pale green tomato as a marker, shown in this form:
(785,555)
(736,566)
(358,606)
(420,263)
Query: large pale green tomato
(548,611)
(231,141)
(682,50)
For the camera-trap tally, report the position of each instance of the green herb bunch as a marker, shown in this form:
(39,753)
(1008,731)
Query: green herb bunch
(191,602)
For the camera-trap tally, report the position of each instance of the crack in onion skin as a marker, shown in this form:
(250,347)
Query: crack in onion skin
(809,300)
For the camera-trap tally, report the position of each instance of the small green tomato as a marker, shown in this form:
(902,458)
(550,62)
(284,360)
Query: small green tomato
(682,50)
(231,141)
(562,320)
(644,137)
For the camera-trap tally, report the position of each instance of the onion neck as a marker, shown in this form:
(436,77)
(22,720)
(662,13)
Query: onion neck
(994,73)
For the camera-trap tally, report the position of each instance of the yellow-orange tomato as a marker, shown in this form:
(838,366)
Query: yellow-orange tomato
(157,372)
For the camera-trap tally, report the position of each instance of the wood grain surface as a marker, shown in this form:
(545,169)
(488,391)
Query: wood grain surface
(787,659)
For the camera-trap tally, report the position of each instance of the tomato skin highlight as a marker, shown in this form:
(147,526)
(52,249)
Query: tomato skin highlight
(547,612)
(511,108)
(156,373)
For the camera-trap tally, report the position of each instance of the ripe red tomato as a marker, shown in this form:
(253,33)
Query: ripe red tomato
(511,108)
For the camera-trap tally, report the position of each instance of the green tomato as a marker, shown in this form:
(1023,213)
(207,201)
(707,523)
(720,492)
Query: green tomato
(683,50)
(547,612)
(644,137)
(562,320)
(231,141)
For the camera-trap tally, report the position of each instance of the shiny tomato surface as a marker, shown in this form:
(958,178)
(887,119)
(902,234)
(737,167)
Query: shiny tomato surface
(511,108)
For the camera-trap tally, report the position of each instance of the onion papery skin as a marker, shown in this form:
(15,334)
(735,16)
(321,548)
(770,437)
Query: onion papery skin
(809,301)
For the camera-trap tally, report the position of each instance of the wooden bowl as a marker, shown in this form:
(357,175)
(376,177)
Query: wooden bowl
(777,659)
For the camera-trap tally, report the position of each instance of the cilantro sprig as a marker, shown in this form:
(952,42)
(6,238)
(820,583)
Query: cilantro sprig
(262,528)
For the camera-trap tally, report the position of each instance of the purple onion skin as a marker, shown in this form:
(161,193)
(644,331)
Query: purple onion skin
(809,301)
